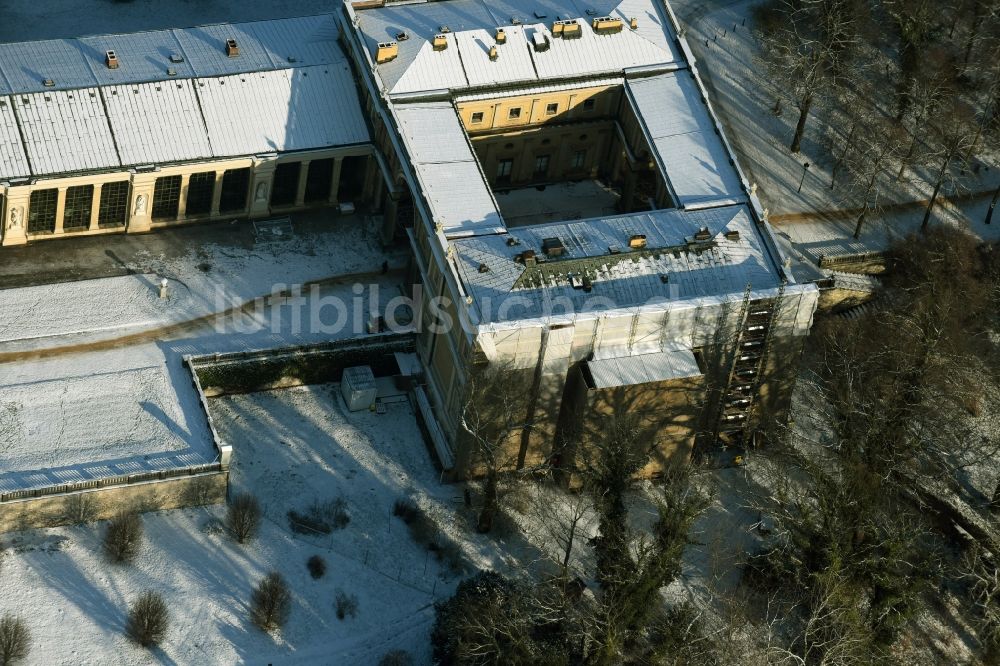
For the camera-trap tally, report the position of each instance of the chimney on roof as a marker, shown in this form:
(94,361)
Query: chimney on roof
(232,48)
(703,234)
(440,42)
(494,54)
(633,23)
(386,51)
(501,36)
(111,59)
(605,25)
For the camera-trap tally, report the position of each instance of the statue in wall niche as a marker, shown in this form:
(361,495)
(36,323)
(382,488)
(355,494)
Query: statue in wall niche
(260,194)
(15,218)
(140,204)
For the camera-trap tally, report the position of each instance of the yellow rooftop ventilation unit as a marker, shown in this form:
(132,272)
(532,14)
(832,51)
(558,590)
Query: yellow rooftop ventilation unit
(440,42)
(637,241)
(494,54)
(633,23)
(501,36)
(386,52)
(606,25)
(567,29)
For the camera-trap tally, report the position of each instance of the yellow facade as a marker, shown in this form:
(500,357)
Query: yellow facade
(55,207)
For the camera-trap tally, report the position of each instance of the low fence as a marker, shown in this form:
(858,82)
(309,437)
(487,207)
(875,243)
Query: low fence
(93,484)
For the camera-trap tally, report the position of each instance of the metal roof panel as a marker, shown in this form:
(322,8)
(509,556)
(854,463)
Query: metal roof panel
(155,123)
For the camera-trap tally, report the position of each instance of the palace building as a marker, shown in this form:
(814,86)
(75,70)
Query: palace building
(569,196)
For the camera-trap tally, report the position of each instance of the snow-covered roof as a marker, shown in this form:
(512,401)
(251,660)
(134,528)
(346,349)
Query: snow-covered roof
(155,123)
(13,161)
(291,109)
(290,88)
(634,369)
(459,197)
(470,27)
(147,56)
(673,266)
(691,154)
(65,130)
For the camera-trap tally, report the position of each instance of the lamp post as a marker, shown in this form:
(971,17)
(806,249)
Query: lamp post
(993,204)
(805,169)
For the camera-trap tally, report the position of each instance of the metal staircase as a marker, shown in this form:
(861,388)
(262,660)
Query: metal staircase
(738,396)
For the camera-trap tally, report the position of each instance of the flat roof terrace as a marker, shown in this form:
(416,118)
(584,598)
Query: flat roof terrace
(98,416)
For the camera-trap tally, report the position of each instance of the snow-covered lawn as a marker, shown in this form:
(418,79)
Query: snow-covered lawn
(292,447)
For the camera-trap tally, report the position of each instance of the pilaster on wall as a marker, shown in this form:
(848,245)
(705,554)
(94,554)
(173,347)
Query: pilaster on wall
(140,220)
(16,219)
(95,208)
(338,164)
(260,187)
(60,210)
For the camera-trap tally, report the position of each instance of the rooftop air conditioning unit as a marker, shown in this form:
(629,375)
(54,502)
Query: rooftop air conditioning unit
(357,385)
(386,51)
(232,48)
(176,58)
(440,42)
(111,59)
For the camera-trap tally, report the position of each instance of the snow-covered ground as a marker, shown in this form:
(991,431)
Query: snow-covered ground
(206,279)
(721,35)
(291,448)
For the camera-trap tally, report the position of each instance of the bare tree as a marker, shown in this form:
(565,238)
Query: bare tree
(878,145)
(563,515)
(148,619)
(494,418)
(271,602)
(15,640)
(243,517)
(954,137)
(123,536)
(983,577)
(808,45)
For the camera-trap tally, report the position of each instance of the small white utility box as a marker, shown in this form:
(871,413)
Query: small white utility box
(347,208)
(358,387)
